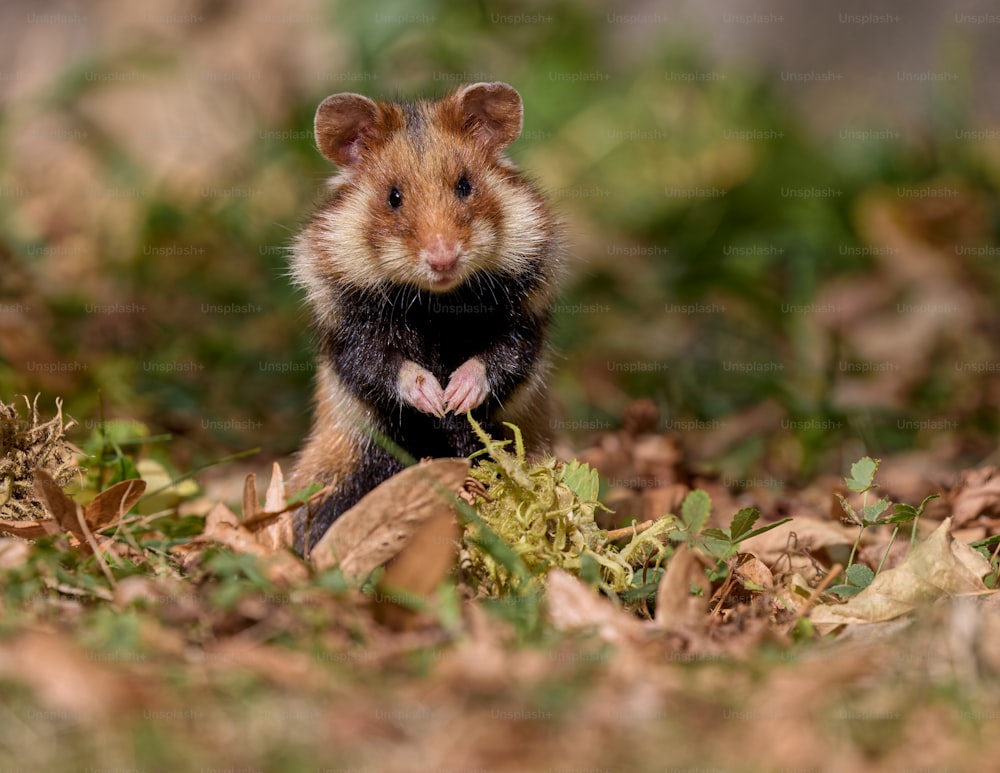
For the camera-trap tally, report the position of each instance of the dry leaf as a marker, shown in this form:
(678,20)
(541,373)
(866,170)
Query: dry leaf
(274,497)
(222,526)
(110,505)
(276,534)
(377,527)
(803,532)
(938,566)
(676,606)
(63,508)
(423,563)
(573,605)
(753,572)
(250,506)
(29,529)
(976,494)
(64,678)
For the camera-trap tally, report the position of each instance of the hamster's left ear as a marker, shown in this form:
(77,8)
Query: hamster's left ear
(491,112)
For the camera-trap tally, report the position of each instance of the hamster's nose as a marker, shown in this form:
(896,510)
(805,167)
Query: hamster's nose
(441,255)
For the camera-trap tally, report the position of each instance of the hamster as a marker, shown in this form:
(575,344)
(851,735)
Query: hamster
(431,272)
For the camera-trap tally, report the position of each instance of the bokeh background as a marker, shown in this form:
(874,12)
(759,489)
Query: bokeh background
(781,217)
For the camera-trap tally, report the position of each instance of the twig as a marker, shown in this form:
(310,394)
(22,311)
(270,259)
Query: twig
(818,591)
(628,531)
(94,546)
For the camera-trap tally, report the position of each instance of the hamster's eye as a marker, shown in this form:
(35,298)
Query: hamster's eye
(463,188)
(395,198)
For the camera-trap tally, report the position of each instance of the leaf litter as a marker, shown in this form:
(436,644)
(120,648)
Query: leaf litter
(393,665)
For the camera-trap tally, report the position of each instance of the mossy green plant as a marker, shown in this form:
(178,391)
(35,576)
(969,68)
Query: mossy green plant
(545,512)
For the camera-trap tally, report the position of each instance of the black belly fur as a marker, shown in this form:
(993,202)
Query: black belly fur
(379,329)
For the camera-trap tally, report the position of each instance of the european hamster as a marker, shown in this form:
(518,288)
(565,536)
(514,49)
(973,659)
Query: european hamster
(431,272)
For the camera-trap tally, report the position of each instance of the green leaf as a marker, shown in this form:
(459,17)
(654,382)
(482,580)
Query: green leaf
(743,521)
(859,575)
(871,513)
(590,570)
(695,509)
(717,534)
(846,591)
(718,543)
(928,498)
(863,474)
(988,542)
(901,514)
(582,480)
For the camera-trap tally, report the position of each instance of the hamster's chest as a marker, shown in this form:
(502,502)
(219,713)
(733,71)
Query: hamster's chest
(447,328)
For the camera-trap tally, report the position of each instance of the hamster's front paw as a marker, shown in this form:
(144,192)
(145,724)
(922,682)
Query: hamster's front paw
(418,387)
(467,387)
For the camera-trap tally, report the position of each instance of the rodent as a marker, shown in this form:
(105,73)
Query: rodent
(431,272)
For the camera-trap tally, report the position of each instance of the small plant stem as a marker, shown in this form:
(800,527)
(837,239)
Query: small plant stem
(888,547)
(723,592)
(850,560)
(913,531)
(95,547)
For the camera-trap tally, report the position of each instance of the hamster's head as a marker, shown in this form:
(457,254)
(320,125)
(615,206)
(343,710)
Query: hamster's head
(425,196)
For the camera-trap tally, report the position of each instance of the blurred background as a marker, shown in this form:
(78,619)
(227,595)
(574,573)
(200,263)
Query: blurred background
(781,217)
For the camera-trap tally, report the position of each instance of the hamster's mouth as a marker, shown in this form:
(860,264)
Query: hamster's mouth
(441,283)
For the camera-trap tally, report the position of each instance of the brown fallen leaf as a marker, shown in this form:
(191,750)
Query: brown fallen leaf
(29,529)
(938,566)
(976,494)
(68,516)
(377,527)
(270,525)
(63,509)
(65,678)
(423,563)
(802,533)
(111,505)
(753,574)
(676,606)
(223,526)
(573,605)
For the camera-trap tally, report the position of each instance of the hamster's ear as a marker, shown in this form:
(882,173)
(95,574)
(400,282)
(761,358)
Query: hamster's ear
(491,112)
(344,124)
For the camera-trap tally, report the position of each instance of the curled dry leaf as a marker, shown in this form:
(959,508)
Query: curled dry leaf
(223,526)
(272,525)
(976,494)
(573,605)
(63,508)
(753,574)
(110,506)
(676,606)
(939,566)
(423,563)
(377,527)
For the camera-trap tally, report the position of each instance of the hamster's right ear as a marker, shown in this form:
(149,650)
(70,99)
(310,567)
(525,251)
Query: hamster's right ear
(344,122)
